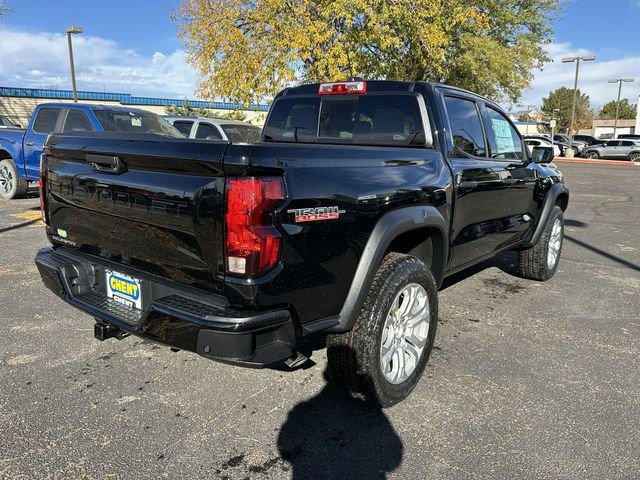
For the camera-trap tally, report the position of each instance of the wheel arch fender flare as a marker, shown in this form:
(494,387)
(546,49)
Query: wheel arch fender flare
(7,152)
(557,191)
(389,227)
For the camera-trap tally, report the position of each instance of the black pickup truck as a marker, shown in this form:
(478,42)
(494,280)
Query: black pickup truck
(342,221)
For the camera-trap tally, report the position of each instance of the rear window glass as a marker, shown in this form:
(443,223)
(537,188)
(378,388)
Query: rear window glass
(135,121)
(183,127)
(293,120)
(242,133)
(77,121)
(206,131)
(393,120)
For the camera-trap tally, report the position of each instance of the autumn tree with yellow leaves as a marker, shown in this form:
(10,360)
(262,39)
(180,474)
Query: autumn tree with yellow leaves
(249,49)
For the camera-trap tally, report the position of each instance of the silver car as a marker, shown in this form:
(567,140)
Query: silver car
(615,150)
(216,129)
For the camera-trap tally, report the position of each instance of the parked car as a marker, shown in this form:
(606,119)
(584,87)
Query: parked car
(20,150)
(343,221)
(615,150)
(532,142)
(562,145)
(562,141)
(588,140)
(216,129)
(6,122)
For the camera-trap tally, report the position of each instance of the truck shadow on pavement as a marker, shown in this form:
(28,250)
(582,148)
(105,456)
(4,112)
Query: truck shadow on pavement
(333,435)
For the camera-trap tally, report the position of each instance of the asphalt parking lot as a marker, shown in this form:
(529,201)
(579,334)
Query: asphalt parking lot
(528,380)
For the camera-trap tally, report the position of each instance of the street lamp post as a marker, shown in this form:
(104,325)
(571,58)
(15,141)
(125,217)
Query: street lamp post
(71,31)
(619,82)
(586,58)
(553,123)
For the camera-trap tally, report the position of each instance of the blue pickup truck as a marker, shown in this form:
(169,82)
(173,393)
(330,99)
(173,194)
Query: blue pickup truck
(20,149)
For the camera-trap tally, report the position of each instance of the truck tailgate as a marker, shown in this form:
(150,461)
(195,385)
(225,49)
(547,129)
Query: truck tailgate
(145,201)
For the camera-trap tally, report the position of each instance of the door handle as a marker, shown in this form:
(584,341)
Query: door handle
(468,185)
(106,163)
(29,144)
(510,181)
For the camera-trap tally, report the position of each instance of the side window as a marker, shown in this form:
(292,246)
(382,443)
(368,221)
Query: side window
(77,121)
(505,140)
(46,120)
(614,143)
(183,126)
(466,127)
(208,132)
(627,144)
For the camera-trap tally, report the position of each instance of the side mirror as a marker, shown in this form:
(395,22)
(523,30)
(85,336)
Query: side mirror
(542,154)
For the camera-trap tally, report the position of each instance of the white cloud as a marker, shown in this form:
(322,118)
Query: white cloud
(40,60)
(593,79)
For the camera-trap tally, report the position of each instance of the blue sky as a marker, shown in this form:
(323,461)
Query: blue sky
(133,47)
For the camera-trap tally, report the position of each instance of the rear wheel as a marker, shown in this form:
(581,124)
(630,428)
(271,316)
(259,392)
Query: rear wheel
(540,262)
(382,358)
(592,155)
(635,157)
(11,184)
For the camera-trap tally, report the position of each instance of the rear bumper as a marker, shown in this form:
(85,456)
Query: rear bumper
(181,317)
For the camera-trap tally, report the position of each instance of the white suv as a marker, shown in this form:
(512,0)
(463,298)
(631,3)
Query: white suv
(216,129)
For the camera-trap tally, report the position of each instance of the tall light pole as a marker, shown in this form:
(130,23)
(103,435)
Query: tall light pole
(586,58)
(71,31)
(619,82)
(553,123)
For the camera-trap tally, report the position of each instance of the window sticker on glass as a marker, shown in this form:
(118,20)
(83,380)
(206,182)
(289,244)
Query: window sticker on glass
(136,121)
(502,132)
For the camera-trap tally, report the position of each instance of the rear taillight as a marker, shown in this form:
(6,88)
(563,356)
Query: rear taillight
(342,88)
(42,188)
(252,243)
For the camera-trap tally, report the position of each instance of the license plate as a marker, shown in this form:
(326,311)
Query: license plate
(124,289)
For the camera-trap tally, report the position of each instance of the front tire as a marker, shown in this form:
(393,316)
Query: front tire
(12,185)
(383,357)
(540,261)
(592,155)
(634,157)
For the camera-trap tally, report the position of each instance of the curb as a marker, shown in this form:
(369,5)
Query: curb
(619,163)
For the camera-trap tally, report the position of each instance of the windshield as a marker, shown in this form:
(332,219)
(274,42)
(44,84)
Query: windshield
(134,121)
(236,132)
(390,119)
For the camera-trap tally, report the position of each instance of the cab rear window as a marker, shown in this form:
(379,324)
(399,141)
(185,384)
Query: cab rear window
(393,120)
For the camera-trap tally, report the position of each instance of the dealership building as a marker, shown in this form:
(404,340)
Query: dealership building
(18,103)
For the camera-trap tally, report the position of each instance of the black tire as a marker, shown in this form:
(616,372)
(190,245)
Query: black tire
(354,357)
(592,155)
(634,157)
(534,263)
(12,185)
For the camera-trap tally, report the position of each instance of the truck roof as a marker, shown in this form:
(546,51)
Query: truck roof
(381,86)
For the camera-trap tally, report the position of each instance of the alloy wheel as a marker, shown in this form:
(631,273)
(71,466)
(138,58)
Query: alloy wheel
(6,180)
(555,242)
(405,332)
